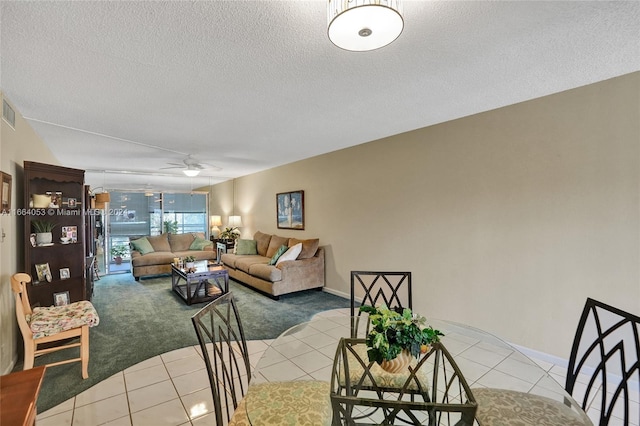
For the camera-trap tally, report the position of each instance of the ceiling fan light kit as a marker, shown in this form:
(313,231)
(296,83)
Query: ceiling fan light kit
(191,172)
(362,25)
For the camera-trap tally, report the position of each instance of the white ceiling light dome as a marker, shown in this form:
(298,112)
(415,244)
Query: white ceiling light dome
(361,25)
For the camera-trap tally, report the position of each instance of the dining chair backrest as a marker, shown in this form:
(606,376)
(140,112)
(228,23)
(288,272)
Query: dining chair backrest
(606,357)
(224,349)
(375,288)
(432,390)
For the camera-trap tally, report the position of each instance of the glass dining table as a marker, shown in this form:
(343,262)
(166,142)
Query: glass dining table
(307,351)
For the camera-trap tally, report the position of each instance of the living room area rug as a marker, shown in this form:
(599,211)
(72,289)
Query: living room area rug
(142,319)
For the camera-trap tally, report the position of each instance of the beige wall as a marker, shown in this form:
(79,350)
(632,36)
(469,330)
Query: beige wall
(15,147)
(508,219)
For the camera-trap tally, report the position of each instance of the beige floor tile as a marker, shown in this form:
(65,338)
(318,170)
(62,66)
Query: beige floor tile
(185,365)
(151,362)
(497,379)
(526,372)
(148,376)
(101,411)
(122,421)
(482,356)
(148,396)
(60,419)
(170,413)
(198,403)
(191,382)
(107,388)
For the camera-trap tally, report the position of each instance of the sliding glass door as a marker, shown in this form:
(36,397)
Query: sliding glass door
(137,214)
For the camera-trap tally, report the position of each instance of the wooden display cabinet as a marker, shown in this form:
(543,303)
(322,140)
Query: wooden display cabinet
(67,262)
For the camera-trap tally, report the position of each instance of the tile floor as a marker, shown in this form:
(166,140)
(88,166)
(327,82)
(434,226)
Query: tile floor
(173,389)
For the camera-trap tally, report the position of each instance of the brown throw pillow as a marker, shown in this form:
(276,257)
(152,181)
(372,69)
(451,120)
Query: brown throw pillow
(160,242)
(275,244)
(309,247)
(262,241)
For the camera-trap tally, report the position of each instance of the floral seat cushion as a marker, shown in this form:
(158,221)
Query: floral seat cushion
(55,319)
(506,407)
(303,403)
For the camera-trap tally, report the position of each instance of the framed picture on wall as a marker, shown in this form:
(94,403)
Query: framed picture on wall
(290,210)
(5,189)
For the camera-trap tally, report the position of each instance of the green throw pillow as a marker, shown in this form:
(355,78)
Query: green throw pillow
(199,244)
(142,245)
(279,253)
(247,247)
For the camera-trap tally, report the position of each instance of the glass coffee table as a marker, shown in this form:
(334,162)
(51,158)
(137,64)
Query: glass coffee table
(206,283)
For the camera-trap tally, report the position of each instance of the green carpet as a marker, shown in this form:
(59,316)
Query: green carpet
(139,320)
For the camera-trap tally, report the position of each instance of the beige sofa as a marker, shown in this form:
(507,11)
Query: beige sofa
(303,273)
(156,256)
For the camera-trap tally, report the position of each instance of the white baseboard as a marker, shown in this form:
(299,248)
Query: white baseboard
(337,293)
(534,354)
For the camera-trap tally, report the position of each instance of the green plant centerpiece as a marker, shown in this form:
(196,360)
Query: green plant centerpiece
(393,332)
(189,259)
(230,233)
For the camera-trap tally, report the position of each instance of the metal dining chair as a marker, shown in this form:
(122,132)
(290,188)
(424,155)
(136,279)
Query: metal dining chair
(224,349)
(604,356)
(433,392)
(390,288)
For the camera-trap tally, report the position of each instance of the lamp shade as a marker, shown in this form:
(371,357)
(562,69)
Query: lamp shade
(235,221)
(215,220)
(103,197)
(361,25)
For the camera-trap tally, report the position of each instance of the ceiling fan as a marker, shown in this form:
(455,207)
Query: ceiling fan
(191,167)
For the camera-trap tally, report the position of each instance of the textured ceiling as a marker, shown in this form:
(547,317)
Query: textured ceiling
(250,85)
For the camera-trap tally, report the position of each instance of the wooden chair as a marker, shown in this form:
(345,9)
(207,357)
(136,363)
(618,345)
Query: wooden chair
(52,325)
(432,392)
(605,356)
(224,349)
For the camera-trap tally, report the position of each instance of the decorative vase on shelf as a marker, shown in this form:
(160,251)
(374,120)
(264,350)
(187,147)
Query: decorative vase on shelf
(43,238)
(398,364)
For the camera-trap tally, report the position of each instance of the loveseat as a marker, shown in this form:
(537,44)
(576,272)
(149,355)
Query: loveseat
(255,263)
(153,255)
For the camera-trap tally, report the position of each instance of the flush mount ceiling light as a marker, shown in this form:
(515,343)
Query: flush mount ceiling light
(361,25)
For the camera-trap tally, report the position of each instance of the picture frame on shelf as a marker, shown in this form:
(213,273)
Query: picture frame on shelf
(70,232)
(32,240)
(56,199)
(71,203)
(64,274)
(61,299)
(43,272)
(290,210)
(5,192)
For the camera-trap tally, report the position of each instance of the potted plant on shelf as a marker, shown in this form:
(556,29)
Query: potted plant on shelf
(118,251)
(43,229)
(395,338)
